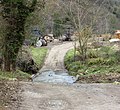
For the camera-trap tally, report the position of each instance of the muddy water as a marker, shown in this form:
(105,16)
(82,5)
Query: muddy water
(55,77)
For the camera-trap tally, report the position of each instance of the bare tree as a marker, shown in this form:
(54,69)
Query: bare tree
(85,17)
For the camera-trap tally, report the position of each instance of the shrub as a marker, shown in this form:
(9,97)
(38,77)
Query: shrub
(92,54)
(94,61)
(110,61)
(101,61)
(117,56)
(69,57)
(97,44)
(25,61)
(75,66)
(106,51)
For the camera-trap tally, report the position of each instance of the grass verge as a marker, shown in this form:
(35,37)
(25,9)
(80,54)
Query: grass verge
(102,66)
(17,75)
(39,55)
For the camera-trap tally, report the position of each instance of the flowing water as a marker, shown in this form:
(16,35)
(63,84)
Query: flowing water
(55,77)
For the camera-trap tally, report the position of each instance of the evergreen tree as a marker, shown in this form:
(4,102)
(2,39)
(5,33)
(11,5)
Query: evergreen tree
(15,13)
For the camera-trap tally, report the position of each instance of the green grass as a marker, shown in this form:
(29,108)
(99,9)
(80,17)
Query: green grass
(100,62)
(14,75)
(39,55)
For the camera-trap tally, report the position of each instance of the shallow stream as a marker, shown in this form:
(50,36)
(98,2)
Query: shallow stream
(54,77)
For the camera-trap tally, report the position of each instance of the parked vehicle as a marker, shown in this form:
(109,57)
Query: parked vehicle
(49,38)
(41,42)
(65,38)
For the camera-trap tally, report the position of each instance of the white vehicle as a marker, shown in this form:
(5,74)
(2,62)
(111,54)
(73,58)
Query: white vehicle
(39,43)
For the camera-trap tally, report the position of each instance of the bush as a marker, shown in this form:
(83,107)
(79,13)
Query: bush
(92,54)
(117,56)
(110,61)
(97,44)
(25,62)
(98,67)
(106,51)
(95,61)
(75,66)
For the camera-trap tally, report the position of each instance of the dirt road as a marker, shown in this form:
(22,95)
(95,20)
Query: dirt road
(45,96)
(55,59)
(41,96)
(53,69)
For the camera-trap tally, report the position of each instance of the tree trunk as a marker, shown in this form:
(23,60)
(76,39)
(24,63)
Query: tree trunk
(6,61)
(13,66)
(15,13)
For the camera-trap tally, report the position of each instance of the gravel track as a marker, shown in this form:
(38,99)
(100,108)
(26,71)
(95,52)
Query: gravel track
(46,96)
(55,58)
(43,96)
